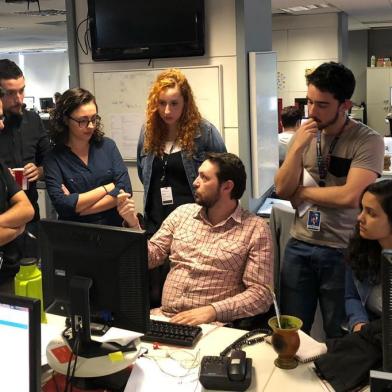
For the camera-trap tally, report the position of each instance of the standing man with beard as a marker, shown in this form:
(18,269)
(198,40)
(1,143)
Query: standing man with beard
(221,261)
(23,141)
(342,157)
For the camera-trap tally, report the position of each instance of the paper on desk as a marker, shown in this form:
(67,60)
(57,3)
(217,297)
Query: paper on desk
(308,180)
(48,333)
(118,335)
(146,376)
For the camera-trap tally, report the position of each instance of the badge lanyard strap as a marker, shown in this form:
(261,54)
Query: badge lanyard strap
(164,161)
(323,164)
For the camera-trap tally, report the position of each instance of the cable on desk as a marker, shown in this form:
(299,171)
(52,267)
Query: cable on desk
(245,340)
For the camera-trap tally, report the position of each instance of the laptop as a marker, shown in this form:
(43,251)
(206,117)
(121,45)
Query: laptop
(20,343)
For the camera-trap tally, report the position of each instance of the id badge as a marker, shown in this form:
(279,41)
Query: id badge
(314,220)
(167,195)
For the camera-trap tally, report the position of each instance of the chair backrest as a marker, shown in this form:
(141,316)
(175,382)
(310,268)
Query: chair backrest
(281,219)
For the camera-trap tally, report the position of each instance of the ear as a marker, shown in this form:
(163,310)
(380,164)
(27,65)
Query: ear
(227,186)
(346,105)
(66,120)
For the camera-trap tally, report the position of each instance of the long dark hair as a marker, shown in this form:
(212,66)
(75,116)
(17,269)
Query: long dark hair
(67,103)
(364,256)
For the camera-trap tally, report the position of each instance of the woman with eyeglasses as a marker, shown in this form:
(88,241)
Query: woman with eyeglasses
(85,171)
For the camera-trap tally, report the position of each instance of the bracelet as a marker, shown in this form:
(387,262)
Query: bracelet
(104,187)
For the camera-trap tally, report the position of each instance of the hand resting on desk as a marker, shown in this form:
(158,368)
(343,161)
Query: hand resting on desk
(202,315)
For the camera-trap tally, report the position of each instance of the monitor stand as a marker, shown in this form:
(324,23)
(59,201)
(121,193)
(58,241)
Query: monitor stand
(94,359)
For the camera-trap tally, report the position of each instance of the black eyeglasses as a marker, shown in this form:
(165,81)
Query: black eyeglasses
(86,121)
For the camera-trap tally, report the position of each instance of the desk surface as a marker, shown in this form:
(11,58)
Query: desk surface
(265,377)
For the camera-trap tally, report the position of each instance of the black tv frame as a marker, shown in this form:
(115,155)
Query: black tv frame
(147,50)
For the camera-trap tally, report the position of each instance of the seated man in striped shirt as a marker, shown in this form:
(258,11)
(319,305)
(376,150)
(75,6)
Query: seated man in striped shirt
(221,260)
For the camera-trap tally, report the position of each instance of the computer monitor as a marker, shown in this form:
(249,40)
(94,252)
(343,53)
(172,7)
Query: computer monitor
(29,102)
(20,342)
(46,103)
(95,272)
(386,317)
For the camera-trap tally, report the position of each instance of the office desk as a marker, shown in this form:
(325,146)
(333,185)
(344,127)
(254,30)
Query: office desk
(265,376)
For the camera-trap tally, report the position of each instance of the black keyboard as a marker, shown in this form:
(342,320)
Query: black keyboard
(171,333)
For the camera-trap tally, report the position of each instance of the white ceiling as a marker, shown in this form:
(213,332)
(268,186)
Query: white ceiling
(363,14)
(26,32)
(20,31)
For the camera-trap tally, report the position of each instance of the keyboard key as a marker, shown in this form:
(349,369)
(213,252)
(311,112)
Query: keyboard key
(171,333)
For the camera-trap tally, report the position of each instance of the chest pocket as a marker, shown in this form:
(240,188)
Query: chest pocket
(339,167)
(76,183)
(231,255)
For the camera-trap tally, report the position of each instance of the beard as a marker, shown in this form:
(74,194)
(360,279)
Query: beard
(16,110)
(207,201)
(327,123)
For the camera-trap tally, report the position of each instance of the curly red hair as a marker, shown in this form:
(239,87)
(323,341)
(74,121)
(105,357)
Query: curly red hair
(155,130)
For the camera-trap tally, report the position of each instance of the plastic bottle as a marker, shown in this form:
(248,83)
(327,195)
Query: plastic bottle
(28,282)
(373,61)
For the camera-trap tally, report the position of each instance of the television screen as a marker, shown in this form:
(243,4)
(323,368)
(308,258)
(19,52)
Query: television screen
(142,29)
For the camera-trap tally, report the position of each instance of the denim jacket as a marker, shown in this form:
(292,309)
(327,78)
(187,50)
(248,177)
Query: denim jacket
(207,139)
(356,295)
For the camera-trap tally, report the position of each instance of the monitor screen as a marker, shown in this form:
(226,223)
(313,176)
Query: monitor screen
(46,103)
(114,259)
(20,342)
(146,29)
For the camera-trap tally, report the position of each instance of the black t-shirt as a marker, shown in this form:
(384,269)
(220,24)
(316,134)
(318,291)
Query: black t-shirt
(8,188)
(176,178)
(24,140)
(12,250)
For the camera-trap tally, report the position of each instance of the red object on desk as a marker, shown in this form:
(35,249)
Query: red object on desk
(57,383)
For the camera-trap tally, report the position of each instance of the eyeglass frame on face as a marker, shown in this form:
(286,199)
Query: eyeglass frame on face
(86,122)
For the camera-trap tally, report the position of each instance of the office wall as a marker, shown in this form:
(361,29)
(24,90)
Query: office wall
(380,43)
(302,42)
(357,62)
(220,49)
(45,72)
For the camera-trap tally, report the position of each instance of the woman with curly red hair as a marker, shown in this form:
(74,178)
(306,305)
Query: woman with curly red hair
(171,147)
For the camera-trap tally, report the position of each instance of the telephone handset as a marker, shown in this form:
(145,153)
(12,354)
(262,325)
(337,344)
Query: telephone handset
(232,373)
(237,366)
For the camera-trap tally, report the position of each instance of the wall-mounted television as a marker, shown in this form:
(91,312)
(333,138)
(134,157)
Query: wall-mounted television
(146,29)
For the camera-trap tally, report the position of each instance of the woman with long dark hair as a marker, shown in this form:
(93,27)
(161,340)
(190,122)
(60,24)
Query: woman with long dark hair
(373,233)
(85,171)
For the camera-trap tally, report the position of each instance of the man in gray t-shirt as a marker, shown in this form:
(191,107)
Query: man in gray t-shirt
(330,161)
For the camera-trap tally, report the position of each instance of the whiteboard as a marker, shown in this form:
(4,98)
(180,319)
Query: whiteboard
(122,100)
(264,120)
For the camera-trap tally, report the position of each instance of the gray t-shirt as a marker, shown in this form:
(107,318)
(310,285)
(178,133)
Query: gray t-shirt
(358,147)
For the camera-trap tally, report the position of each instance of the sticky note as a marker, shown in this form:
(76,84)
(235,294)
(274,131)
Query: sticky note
(117,356)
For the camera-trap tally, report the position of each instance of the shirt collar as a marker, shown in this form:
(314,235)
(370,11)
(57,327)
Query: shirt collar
(236,216)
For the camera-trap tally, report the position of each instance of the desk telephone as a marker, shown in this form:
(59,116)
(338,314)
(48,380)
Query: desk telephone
(232,373)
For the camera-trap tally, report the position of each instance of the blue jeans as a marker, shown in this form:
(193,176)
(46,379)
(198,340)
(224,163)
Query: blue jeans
(312,273)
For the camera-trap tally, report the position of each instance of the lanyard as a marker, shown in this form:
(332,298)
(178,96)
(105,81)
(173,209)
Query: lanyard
(165,160)
(323,163)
